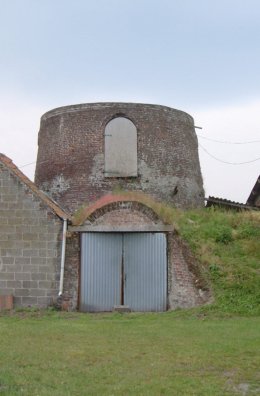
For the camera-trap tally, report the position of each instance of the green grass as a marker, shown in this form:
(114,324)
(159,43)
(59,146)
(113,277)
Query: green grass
(227,246)
(181,353)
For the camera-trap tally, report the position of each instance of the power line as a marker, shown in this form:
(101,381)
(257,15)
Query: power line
(203,148)
(43,162)
(30,163)
(227,142)
(226,162)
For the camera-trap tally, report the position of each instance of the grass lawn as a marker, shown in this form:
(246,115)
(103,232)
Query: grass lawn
(173,353)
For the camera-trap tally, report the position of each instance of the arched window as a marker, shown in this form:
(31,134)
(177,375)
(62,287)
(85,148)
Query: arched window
(120,148)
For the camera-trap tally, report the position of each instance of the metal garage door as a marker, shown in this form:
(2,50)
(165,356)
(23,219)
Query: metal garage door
(123,268)
(145,271)
(101,260)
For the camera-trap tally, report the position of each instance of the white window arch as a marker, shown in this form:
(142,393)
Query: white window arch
(120,148)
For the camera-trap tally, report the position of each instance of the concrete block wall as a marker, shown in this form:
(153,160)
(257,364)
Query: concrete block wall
(30,245)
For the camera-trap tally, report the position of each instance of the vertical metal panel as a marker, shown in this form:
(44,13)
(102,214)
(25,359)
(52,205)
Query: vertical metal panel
(101,259)
(145,266)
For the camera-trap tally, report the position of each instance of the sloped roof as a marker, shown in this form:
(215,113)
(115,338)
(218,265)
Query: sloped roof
(8,163)
(226,203)
(255,193)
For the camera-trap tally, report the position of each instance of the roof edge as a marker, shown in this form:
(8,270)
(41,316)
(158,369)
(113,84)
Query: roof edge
(254,193)
(56,209)
(211,201)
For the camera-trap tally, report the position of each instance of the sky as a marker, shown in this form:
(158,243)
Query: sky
(202,57)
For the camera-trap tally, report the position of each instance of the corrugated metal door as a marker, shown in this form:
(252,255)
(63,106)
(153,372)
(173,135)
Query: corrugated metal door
(129,269)
(101,262)
(145,270)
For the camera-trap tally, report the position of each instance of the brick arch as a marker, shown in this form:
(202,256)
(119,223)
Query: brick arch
(129,203)
(124,212)
(117,114)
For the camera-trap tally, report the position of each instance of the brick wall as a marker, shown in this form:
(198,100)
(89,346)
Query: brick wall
(70,298)
(30,244)
(70,163)
(186,287)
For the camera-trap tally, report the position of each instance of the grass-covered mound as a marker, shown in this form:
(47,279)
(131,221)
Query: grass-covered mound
(227,245)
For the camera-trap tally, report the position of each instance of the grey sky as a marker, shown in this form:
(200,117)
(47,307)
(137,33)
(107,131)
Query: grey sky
(199,56)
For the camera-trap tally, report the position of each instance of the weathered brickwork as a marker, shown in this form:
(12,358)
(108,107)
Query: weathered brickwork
(70,298)
(70,163)
(30,244)
(185,285)
(122,213)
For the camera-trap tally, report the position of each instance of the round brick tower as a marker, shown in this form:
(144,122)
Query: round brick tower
(89,150)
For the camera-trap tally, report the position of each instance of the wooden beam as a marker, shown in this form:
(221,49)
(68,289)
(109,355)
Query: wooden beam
(122,228)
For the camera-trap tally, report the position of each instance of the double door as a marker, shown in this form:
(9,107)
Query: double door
(123,269)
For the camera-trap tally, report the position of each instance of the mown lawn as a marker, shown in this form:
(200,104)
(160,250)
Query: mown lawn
(181,353)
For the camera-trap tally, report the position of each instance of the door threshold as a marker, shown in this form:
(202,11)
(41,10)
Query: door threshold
(122,308)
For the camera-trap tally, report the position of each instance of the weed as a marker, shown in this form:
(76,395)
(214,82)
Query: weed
(248,230)
(223,235)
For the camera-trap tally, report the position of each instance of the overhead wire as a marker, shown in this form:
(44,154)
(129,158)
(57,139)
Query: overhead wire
(202,147)
(227,162)
(30,163)
(227,142)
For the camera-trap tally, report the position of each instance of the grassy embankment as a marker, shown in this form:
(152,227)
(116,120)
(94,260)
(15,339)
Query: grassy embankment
(227,245)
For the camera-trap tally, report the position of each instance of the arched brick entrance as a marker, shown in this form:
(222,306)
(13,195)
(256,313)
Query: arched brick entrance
(115,219)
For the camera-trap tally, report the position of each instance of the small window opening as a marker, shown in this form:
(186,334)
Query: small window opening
(120,148)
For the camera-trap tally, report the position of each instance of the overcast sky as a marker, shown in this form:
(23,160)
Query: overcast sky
(202,57)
